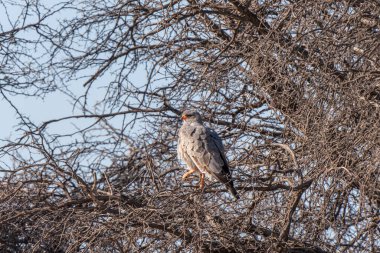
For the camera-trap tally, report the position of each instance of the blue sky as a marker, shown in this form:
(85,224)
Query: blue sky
(38,110)
(54,105)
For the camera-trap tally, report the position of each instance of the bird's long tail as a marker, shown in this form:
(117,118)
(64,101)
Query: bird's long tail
(232,190)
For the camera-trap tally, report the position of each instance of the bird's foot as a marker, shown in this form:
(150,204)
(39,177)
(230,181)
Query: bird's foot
(187,174)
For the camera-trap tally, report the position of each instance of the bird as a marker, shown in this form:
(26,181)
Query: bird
(202,150)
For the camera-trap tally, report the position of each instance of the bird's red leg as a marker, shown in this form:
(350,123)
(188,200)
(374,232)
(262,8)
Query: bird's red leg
(188,173)
(202,181)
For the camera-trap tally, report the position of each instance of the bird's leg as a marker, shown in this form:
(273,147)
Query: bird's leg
(202,181)
(188,173)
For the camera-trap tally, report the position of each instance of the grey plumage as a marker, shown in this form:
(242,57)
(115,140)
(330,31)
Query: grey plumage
(202,150)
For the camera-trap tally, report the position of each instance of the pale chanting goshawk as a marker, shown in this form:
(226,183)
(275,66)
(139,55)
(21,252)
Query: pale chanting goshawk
(202,150)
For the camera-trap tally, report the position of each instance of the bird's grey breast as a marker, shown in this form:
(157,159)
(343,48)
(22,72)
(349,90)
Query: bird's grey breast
(194,141)
(186,143)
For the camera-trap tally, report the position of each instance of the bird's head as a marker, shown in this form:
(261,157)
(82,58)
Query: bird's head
(191,116)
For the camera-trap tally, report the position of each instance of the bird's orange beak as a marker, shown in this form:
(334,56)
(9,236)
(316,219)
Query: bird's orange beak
(183,117)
